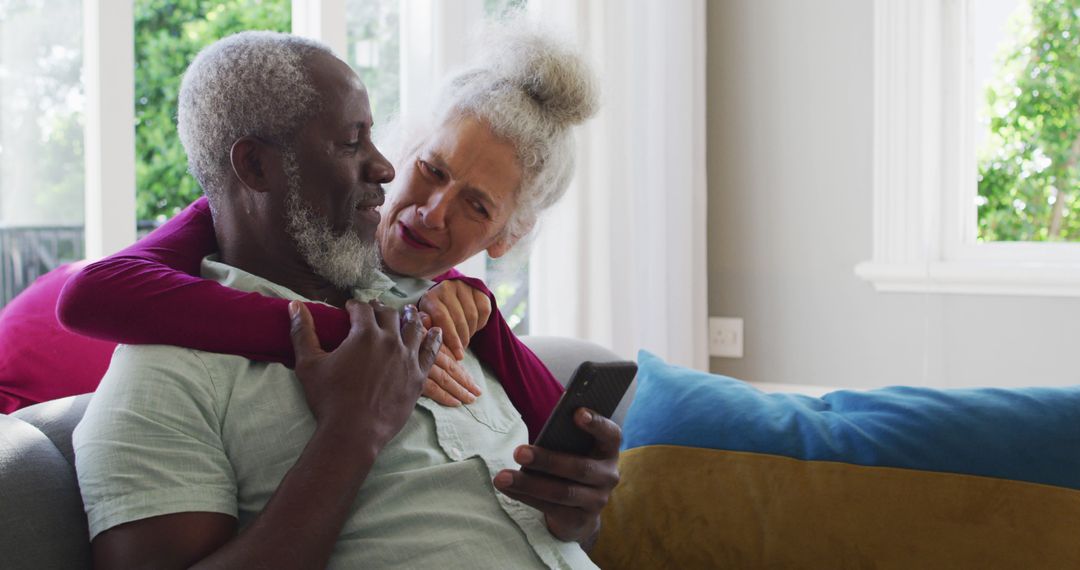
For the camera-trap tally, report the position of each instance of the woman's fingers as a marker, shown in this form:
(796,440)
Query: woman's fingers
(440,396)
(450,384)
(483,306)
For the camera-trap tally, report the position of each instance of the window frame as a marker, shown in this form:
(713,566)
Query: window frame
(109,81)
(924,173)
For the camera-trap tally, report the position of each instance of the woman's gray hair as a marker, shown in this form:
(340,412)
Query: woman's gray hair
(531,87)
(248,84)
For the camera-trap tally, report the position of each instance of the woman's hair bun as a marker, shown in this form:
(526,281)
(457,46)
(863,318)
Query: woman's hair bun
(547,68)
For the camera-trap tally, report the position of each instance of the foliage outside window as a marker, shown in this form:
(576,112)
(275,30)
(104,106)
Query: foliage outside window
(1029,168)
(168,35)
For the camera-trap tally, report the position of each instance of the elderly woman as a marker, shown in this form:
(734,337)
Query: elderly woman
(495,152)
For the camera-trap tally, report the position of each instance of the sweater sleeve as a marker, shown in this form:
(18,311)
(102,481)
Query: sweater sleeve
(531,387)
(144,294)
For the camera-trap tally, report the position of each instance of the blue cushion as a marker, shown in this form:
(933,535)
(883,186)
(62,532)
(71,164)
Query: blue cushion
(1023,434)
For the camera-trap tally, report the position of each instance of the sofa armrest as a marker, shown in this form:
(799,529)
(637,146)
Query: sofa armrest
(42,524)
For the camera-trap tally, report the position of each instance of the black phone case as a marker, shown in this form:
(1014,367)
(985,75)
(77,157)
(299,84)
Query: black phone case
(598,386)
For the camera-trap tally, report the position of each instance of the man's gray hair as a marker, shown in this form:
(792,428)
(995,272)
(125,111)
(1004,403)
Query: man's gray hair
(248,84)
(531,87)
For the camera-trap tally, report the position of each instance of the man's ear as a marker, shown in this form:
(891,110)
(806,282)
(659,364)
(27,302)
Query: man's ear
(252,161)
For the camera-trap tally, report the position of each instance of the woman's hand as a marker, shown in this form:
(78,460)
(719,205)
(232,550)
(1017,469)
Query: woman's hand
(459,310)
(448,383)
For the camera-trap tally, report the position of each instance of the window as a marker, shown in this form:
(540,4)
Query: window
(926,188)
(41,139)
(374,51)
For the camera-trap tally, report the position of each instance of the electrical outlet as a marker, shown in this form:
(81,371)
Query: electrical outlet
(725,337)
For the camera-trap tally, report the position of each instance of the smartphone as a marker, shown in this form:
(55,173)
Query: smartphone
(598,386)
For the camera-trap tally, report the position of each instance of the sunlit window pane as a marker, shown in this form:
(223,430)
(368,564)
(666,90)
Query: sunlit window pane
(374,52)
(41,139)
(41,112)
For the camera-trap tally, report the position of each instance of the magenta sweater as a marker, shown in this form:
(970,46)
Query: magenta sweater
(150,293)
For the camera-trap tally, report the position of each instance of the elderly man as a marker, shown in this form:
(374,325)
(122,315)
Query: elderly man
(193,458)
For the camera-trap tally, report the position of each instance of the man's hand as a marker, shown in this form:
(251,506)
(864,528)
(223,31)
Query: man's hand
(570,490)
(368,386)
(459,310)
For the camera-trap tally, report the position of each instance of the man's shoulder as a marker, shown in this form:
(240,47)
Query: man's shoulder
(152,368)
(175,358)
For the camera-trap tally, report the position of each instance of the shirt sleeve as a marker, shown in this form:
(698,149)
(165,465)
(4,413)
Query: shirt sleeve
(151,293)
(150,442)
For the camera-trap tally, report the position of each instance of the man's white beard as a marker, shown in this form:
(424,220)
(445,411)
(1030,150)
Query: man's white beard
(345,260)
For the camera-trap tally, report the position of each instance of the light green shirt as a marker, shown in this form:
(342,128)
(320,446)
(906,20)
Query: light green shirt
(175,430)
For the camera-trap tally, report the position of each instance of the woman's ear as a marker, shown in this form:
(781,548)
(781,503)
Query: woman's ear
(500,247)
(506,243)
(252,161)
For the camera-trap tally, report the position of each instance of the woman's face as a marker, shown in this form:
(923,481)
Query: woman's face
(453,199)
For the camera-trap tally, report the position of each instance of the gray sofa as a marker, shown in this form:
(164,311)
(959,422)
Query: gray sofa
(42,524)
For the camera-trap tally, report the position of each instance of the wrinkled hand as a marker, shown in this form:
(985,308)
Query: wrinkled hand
(367,387)
(448,383)
(459,310)
(570,490)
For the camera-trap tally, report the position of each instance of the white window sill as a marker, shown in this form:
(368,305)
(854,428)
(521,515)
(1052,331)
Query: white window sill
(975,278)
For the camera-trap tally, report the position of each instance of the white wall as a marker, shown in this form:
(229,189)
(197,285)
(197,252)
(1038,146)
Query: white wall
(789,150)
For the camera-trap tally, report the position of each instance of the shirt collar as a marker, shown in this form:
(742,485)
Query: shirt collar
(239,279)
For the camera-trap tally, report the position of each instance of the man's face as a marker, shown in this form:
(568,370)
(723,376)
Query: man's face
(334,179)
(453,200)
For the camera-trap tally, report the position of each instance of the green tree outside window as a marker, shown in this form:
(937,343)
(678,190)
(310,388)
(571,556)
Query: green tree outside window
(168,35)
(1029,168)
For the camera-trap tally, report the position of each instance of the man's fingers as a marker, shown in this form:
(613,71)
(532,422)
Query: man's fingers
(429,347)
(385,316)
(433,391)
(584,470)
(412,328)
(567,524)
(361,318)
(553,490)
(607,433)
(456,371)
(302,331)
